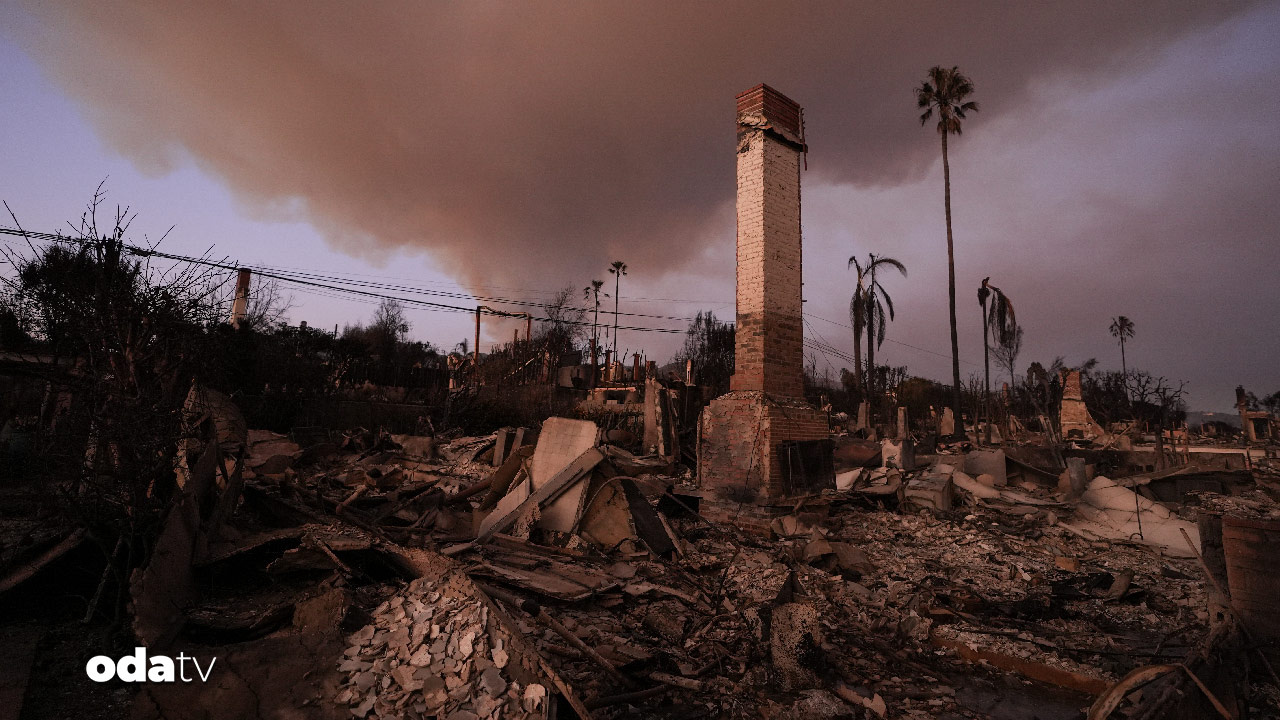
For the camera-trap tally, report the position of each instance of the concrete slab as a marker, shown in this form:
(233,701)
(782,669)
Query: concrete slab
(561,441)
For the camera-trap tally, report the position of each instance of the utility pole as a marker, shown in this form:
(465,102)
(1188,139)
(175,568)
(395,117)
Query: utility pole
(476,348)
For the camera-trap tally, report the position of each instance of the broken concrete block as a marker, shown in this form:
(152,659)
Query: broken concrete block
(947,425)
(987,462)
(666,619)
(932,489)
(606,521)
(545,498)
(792,525)
(899,454)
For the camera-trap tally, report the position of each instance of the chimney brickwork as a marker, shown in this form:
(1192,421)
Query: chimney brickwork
(743,432)
(769,356)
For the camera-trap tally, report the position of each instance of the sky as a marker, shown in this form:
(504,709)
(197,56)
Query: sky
(1125,160)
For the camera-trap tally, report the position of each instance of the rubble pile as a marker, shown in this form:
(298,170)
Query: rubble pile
(528,574)
(429,655)
(915,590)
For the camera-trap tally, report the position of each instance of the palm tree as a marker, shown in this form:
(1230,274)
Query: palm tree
(1122,328)
(858,318)
(867,308)
(944,91)
(999,321)
(592,292)
(617,270)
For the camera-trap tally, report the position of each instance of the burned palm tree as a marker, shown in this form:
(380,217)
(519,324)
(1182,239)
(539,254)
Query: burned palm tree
(998,321)
(871,308)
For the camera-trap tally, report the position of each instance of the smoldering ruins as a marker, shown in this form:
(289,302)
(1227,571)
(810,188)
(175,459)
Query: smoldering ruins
(542,532)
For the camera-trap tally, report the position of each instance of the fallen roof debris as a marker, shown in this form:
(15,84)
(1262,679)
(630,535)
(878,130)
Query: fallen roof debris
(575,578)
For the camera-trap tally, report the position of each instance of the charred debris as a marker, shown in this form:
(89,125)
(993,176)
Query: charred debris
(567,570)
(637,543)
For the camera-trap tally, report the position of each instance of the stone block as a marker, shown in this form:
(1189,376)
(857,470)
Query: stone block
(987,462)
(932,490)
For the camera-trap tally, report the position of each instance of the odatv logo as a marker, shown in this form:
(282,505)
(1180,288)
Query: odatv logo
(135,668)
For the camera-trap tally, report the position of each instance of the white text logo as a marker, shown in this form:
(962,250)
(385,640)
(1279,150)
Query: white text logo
(136,668)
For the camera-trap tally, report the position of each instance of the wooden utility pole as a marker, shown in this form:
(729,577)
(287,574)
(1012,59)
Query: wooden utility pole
(475,352)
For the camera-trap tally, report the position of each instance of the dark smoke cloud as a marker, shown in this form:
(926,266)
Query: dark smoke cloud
(517,143)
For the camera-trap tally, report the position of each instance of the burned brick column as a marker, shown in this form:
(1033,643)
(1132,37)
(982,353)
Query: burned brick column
(769,356)
(240,303)
(761,442)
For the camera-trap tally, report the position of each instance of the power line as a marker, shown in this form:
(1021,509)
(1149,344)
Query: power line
(946,356)
(448,294)
(152,252)
(336,283)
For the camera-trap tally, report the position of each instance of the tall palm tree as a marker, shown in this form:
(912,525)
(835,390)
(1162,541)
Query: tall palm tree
(868,306)
(944,92)
(617,270)
(1122,328)
(592,292)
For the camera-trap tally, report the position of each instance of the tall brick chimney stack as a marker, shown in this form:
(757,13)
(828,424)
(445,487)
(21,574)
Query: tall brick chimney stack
(769,356)
(761,443)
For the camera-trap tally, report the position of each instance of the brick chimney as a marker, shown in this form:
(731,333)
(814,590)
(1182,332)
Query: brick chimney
(761,443)
(769,355)
(240,303)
